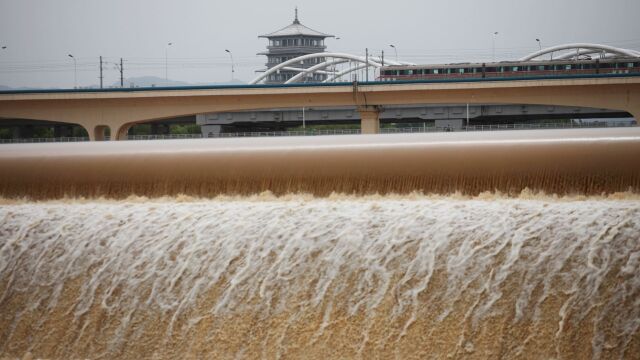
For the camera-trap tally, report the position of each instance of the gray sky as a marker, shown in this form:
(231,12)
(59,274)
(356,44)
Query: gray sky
(40,33)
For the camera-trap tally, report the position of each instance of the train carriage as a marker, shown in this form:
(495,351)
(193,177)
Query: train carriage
(510,69)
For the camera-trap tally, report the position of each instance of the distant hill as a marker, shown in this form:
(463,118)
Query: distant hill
(141,81)
(8,88)
(154,81)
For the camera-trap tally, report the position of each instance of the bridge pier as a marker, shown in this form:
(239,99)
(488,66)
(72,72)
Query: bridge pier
(98,133)
(635,112)
(369,119)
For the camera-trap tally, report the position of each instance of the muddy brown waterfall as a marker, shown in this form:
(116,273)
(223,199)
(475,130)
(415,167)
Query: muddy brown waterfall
(587,161)
(518,245)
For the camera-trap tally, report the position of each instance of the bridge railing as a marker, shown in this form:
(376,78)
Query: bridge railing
(43,140)
(247,134)
(401,130)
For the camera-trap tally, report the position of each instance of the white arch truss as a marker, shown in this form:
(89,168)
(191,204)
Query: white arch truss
(337,58)
(289,68)
(315,69)
(345,72)
(582,49)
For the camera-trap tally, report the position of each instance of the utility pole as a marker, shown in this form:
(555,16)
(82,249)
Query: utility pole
(166,64)
(75,71)
(367,63)
(233,69)
(380,72)
(467,115)
(100,72)
(493,47)
(121,74)
(396,51)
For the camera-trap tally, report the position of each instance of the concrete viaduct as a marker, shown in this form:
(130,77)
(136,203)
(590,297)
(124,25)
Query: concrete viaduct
(122,108)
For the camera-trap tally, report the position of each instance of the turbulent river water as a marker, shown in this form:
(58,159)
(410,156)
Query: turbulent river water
(466,274)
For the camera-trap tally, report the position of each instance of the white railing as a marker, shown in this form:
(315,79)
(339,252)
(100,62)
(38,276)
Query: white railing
(43,140)
(248,134)
(497,127)
(402,130)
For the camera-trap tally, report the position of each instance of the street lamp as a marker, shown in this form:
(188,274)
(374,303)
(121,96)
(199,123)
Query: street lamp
(493,51)
(396,50)
(75,72)
(539,43)
(233,69)
(166,64)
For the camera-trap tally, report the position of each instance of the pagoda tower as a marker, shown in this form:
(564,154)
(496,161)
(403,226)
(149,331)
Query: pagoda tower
(291,42)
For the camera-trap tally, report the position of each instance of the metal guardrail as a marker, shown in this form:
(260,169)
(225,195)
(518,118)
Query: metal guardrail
(247,134)
(497,127)
(315,84)
(404,130)
(43,140)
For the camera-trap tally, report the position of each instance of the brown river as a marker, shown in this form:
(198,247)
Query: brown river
(501,245)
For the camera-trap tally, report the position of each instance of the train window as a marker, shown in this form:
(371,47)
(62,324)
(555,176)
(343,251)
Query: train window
(630,65)
(491,69)
(436,71)
(515,68)
(461,71)
(541,67)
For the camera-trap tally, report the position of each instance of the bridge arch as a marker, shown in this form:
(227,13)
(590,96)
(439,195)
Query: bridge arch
(581,49)
(371,61)
(35,126)
(315,68)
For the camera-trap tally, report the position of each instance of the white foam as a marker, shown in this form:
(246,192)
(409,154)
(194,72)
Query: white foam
(274,256)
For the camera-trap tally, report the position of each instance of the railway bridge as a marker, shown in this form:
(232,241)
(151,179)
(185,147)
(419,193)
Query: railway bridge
(119,109)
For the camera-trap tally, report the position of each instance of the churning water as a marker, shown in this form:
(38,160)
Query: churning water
(458,275)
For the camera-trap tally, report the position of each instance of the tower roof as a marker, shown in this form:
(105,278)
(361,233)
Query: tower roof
(296,29)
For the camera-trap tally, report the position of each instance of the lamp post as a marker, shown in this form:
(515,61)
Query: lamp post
(233,69)
(396,51)
(493,48)
(75,71)
(166,64)
(539,43)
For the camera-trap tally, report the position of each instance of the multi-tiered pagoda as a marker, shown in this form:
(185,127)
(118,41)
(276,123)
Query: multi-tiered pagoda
(291,42)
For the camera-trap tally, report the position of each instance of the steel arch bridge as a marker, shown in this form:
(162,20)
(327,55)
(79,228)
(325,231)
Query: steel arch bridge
(575,51)
(355,63)
(572,51)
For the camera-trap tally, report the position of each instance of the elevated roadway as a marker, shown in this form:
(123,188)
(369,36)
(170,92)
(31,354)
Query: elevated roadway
(119,109)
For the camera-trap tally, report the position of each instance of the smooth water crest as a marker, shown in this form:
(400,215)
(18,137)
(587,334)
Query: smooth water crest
(444,247)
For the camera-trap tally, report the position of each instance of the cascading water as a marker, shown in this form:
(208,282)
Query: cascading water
(472,274)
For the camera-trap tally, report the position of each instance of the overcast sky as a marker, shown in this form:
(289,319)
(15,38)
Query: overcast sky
(39,34)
